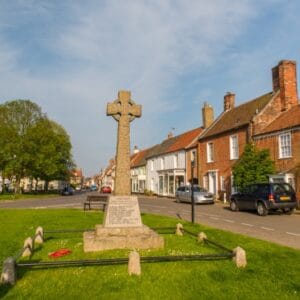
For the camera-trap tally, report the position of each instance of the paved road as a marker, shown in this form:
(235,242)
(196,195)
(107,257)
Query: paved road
(275,227)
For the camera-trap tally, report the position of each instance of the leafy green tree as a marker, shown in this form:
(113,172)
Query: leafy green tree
(31,145)
(16,118)
(52,159)
(254,166)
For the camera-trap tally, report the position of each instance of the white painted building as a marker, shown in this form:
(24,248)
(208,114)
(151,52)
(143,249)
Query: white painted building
(166,163)
(138,171)
(165,173)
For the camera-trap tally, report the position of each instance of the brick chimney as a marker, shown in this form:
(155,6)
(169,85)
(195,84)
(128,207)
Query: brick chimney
(285,79)
(170,135)
(207,115)
(229,99)
(136,150)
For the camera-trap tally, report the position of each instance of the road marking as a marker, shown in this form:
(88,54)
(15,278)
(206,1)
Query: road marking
(267,228)
(149,205)
(291,233)
(246,224)
(229,221)
(209,215)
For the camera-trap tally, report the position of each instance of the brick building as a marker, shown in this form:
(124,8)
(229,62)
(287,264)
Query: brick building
(282,138)
(222,143)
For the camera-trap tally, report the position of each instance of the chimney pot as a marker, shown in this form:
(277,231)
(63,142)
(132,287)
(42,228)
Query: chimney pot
(136,149)
(229,100)
(170,135)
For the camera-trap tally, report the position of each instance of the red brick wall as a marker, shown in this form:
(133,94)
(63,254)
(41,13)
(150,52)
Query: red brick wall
(267,115)
(222,162)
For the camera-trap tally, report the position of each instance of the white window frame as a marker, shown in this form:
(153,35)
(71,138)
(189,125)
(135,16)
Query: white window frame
(285,145)
(210,152)
(234,146)
(176,161)
(152,165)
(162,163)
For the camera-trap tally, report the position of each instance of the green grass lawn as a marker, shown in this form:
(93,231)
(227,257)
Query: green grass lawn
(273,271)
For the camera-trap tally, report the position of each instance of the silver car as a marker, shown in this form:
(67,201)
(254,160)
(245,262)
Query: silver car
(201,195)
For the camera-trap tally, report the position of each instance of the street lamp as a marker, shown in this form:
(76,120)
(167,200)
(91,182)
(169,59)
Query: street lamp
(192,187)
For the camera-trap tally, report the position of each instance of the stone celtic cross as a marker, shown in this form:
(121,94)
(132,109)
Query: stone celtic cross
(123,110)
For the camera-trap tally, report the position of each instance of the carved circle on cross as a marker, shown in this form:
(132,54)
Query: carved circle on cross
(118,115)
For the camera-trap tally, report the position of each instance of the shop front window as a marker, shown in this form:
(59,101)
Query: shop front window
(171,184)
(161,184)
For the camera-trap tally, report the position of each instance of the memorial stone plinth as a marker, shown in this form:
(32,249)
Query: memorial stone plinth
(122,226)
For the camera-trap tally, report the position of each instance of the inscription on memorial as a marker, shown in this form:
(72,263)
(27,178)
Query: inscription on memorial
(122,211)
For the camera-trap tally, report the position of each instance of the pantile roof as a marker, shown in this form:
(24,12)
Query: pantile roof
(139,159)
(175,143)
(184,140)
(288,119)
(238,116)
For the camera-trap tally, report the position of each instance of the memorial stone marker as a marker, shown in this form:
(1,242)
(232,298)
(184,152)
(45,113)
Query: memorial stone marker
(122,226)
(124,111)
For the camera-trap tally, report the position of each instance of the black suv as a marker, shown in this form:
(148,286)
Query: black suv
(264,197)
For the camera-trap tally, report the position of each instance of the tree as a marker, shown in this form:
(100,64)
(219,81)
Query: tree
(254,166)
(16,118)
(51,146)
(32,145)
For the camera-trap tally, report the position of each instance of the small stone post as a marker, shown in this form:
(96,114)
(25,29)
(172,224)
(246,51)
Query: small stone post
(28,247)
(240,257)
(8,275)
(179,229)
(39,235)
(201,237)
(134,264)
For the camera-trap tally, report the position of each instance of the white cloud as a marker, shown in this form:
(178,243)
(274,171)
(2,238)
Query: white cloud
(100,47)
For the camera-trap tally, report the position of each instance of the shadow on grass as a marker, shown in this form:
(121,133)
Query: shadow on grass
(4,289)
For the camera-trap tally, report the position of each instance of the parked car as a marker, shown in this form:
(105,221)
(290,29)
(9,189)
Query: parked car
(67,191)
(201,195)
(106,189)
(265,197)
(93,188)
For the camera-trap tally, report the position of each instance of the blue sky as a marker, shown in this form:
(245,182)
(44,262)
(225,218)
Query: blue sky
(71,57)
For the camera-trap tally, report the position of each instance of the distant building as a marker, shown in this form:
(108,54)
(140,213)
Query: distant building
(138,171)
(77,178)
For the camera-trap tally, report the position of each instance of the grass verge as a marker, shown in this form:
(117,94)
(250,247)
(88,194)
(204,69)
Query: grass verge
(12,196)
(272,272)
